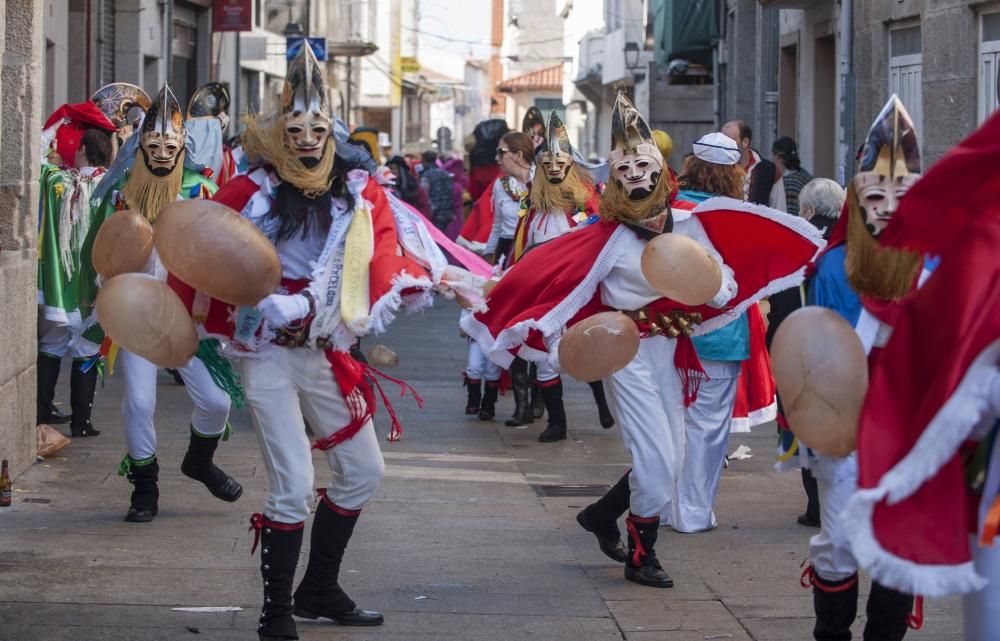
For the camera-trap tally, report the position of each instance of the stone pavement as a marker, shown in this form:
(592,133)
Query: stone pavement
(458,544)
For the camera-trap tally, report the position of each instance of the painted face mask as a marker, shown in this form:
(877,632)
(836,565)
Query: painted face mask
(634,160)
(162,134)
(557,158)
(308,119)
(307,134)
(889,166)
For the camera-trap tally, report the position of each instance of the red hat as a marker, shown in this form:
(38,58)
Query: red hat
(81,116)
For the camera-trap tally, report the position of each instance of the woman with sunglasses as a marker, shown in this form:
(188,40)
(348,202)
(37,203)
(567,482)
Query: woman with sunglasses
(516,158)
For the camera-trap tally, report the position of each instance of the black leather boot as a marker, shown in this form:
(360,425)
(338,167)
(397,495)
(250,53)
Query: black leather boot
(143,476)
(47,369)
(836,606)
(475,387)
(521,384)
(603,411)
(279,554)
(82,387)
(888,613)
(197,464)
(537,403)
(601,520)
(488,406)
(319,594)
(556,429)
(642,566)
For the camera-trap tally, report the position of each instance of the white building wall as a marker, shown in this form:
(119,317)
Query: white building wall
(55,52)
(533,36)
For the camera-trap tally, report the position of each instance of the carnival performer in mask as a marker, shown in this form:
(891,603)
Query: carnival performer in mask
(927,512)
(345,273)
(863,281)
(597,268)
(148,174)
(562,196)
(207,119)
(77,149)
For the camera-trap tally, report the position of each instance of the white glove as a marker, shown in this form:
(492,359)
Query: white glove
(279,310)
(49,135)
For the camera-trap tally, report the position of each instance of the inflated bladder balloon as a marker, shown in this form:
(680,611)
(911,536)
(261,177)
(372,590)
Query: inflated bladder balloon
(598,346)
(143,315)
(218,252)
(820,367)
(382,356)
(122,244)
(681,269)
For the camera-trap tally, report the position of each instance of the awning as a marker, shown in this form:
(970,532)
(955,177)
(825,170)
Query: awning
(687,29)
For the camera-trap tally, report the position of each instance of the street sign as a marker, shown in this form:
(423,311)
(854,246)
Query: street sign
(409,64)
(293,45)
(232,15)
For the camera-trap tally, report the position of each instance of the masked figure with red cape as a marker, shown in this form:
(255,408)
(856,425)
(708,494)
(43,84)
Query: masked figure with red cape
(927,511)
(597,268)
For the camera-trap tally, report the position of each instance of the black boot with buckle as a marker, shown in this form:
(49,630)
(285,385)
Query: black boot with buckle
(552,392)
(521,384)
(319,594)
(488,406)
(601,519)
(143,476)
(279,554)
(198,465)
(475,388)
(82,387)
(642,566)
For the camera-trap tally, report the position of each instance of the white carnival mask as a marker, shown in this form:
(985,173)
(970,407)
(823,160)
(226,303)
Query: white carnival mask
(637,171)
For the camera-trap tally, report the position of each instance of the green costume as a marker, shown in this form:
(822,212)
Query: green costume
(66,290)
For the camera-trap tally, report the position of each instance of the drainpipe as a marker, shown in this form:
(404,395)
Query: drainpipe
(847,92)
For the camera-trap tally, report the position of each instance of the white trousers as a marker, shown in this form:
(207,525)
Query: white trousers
(56,340)
(544,372)
(211,404)
(706,437)
(282,388)
(830,552)
(479,367)
(647,400)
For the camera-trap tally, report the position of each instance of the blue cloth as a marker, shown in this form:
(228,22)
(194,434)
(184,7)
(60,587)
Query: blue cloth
(829,287)
(694,196)
(729,343)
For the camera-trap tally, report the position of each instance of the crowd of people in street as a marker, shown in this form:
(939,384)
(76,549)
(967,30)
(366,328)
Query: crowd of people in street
(542,250)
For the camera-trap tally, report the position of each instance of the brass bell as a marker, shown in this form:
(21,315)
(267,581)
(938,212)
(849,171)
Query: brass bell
(673,332)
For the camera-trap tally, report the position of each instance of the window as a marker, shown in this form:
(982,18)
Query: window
(989,64)
(905,70)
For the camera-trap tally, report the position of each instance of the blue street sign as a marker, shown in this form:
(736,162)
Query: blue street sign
(292,46)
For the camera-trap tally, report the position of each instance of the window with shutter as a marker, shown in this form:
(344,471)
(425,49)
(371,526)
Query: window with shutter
(905,70)
(989,64)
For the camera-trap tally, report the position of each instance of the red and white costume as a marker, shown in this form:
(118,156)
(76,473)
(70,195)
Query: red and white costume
(930,419)
(597,268)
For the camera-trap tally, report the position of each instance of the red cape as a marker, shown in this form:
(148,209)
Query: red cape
(929,386)
(81,116)
(476,229)
(557,284)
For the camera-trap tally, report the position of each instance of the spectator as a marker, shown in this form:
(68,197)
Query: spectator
(407,186)
(794,177)
(438,184)
(762,181)
(820,202)
(459,183)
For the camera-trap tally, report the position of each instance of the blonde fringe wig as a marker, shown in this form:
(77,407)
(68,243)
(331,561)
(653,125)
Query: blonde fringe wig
(147,193)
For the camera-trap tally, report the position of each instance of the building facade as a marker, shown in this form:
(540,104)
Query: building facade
(22,50)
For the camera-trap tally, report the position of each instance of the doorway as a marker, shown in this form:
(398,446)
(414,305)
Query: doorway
(825,108)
